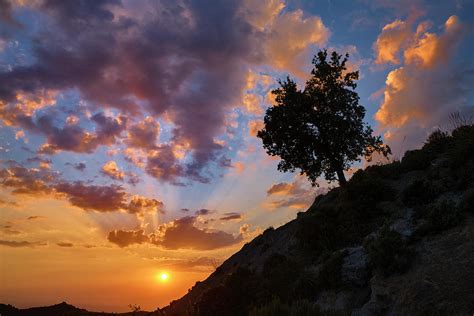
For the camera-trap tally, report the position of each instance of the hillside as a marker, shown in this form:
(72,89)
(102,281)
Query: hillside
(398,239)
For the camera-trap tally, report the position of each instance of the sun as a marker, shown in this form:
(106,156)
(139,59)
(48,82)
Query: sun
(163,276)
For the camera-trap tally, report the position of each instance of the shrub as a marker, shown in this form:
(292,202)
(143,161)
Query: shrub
(416,160)
(279,273)
(438,217)
(438,142)
(463,146)
(273,308)
(391,170)
(241,289)
(367,188)
(419,192)
(297,308)
(330,273)
(389,253)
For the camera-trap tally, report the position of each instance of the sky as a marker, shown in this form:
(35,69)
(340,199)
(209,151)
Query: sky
(128,141)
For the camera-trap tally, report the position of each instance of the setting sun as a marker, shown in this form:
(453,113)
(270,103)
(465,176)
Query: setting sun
(163,277)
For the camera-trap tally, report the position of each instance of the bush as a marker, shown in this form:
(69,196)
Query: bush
(438,142)
(241,289)
(365,187)
(416,160)
(273,308)
(330,273)
(391,170)
(419,192)
(389,253)
(279,273)
(438,217)
(297,308)
(463,146)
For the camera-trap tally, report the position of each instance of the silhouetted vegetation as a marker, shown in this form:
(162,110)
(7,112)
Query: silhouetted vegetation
(439,216)
(278,308)
(389,252)
(320,130)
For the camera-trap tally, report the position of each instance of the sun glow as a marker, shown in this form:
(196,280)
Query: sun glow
(163,276)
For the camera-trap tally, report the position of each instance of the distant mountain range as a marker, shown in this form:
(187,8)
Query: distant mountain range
(62,309)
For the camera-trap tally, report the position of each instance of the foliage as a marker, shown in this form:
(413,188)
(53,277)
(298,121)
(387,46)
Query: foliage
(330,272)
(297,308)
(320,130)
(279,272)
(416,160)
(134,308)
(419,192)
(368,189)
(438,217)
(463,146)
(438,142)
(389,253)
(391,171)
(240,290)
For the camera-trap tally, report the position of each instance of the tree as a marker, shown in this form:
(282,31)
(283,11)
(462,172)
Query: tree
(320,129)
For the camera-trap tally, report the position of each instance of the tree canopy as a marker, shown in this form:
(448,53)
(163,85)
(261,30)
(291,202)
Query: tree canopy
(320,129)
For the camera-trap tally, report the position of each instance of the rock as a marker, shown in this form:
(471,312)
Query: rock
(355,269)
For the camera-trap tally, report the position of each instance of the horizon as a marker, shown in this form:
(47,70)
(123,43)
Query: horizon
(129,163)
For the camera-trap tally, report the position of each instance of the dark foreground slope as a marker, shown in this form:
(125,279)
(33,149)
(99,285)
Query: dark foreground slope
(397,240)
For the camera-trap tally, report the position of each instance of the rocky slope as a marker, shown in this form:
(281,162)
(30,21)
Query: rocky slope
(397,240)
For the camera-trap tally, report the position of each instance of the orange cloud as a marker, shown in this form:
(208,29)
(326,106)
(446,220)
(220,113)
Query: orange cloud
(252,103)
(394,35)
(431,49)
(297,194)
(112,170)
(255,126)
(420,95)
(291,34)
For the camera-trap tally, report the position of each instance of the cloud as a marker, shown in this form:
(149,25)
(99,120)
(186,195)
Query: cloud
(393,37)
(420,95)
(27,181)
(140,205)
(93,197)
(35,217)
(204,263)
(203,212)
(111,170)
(80,166)
(290,35)
(184,62)
(231,216)
(255,126)
(20,244)
(252,103)
(65,244)
(126,238)
(144,134)
(10,203)
(182,234)
(297,194)
(100,198)
(178,234)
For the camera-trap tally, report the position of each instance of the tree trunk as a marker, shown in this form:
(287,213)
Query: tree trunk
(341,176)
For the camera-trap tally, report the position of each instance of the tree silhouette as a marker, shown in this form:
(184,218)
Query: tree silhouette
(320,129)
